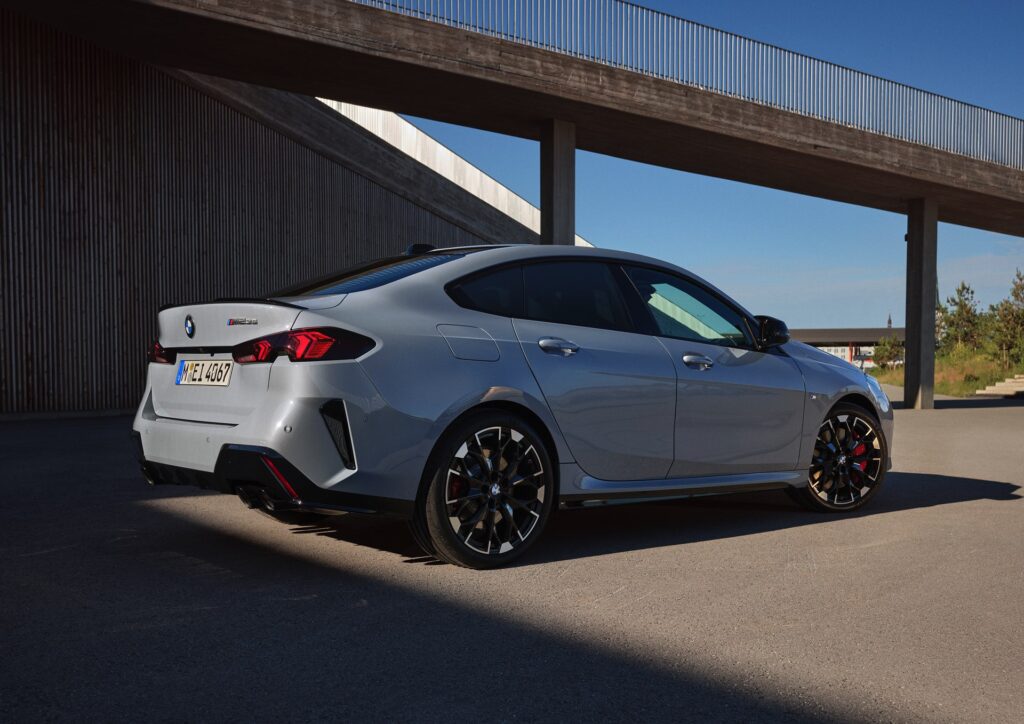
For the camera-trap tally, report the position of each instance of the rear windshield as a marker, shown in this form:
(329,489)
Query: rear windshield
(367,276)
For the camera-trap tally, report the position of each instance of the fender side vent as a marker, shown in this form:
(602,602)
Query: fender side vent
(336,418)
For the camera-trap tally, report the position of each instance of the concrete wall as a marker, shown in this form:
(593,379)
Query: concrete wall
(397,131)
(123,187)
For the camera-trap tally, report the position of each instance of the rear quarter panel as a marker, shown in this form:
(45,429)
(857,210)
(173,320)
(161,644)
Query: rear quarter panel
(422,387)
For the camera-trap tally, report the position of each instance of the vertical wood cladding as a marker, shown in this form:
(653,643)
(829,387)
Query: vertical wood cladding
(123,188)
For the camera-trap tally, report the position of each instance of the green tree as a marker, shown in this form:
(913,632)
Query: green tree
(940,323)
(961,321)
(888,350)
(1007,323)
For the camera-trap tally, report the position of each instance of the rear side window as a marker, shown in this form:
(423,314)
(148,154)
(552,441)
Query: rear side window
(496,292)
(569,292)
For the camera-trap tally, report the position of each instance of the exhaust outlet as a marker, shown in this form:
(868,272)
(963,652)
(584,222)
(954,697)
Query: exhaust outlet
(247,497)
(255,497)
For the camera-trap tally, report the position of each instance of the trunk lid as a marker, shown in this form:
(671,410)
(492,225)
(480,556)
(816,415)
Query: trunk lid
(215,328)
(225,323)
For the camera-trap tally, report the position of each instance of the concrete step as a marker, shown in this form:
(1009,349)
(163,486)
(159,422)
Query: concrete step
(1010,387)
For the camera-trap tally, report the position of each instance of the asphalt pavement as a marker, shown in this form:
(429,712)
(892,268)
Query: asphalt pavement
(126,603)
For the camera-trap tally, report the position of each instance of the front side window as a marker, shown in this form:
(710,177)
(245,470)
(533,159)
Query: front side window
(684,310)
(571,292)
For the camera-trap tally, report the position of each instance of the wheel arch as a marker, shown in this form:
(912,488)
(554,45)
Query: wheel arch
(857,400)
(503,406)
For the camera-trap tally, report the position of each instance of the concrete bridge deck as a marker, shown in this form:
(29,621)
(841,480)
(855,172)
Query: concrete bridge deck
(344,50)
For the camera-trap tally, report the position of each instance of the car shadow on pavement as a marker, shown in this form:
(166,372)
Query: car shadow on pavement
(969,403)
(582,533)
(123,602)
(181,619)
(972,402)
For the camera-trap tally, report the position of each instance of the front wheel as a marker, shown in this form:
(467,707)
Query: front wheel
(848,463)
(490,491)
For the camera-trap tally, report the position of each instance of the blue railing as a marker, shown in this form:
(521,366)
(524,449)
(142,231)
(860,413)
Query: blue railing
(646,41)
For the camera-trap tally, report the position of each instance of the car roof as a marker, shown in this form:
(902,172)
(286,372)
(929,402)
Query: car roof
(530,251)
(485,256)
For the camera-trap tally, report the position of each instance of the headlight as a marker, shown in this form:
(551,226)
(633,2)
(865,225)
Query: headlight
(877,392)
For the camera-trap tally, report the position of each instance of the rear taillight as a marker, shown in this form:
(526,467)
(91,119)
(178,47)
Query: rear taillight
(308,344)
(304,345)
(159,355)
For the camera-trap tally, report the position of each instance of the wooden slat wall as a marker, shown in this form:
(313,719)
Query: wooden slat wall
(123,188)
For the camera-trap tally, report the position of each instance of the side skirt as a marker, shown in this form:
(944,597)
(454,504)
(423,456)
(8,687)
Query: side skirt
(590,491)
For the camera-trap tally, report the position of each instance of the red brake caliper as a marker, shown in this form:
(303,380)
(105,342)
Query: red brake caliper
(857,451)
(456,486)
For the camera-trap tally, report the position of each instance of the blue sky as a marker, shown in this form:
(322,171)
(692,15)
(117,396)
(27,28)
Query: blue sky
(808,261)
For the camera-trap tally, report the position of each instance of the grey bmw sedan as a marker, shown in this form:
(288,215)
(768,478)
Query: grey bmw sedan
(473,390)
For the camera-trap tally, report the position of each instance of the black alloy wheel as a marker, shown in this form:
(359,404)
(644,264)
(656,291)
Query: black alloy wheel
(491,492)
(848,463)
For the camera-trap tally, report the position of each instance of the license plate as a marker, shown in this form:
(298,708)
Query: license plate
(204,372)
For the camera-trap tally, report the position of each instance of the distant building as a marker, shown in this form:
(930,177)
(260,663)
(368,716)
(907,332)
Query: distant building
(855,345)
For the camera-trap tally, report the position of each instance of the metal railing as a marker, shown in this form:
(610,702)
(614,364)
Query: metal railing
(650,42)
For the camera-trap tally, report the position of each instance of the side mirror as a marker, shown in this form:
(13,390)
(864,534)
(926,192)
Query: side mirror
(772,332)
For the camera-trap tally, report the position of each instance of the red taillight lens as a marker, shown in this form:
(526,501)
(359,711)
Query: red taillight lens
(307,344)
(304,345)
(259,350)
(159,355)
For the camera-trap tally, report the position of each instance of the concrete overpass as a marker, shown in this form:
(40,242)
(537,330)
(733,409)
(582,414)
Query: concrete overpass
(618,80)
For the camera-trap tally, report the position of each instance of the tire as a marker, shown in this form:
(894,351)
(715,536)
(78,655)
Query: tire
(478,513)
(418,528)
(848,463)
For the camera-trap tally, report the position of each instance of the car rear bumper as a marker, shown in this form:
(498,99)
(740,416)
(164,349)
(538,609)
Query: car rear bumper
(326,419)
(262,477)
(300,427)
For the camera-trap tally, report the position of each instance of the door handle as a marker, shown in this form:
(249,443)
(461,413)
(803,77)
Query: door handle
(556,345)
(698,361)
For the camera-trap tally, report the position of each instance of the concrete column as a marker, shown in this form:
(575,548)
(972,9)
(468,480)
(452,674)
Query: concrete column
(922,240)
(558,183)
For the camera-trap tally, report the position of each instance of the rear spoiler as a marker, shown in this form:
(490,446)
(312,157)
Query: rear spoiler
(229,300)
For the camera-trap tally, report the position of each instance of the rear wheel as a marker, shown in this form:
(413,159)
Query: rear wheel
(848,463)
(490,491)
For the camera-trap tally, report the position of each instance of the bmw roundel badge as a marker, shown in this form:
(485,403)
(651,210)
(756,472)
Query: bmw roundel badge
(190,327)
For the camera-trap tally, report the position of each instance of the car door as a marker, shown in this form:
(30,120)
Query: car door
(738,410)
(611,390)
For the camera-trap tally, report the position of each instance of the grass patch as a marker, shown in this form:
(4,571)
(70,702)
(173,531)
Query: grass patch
(959,375)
